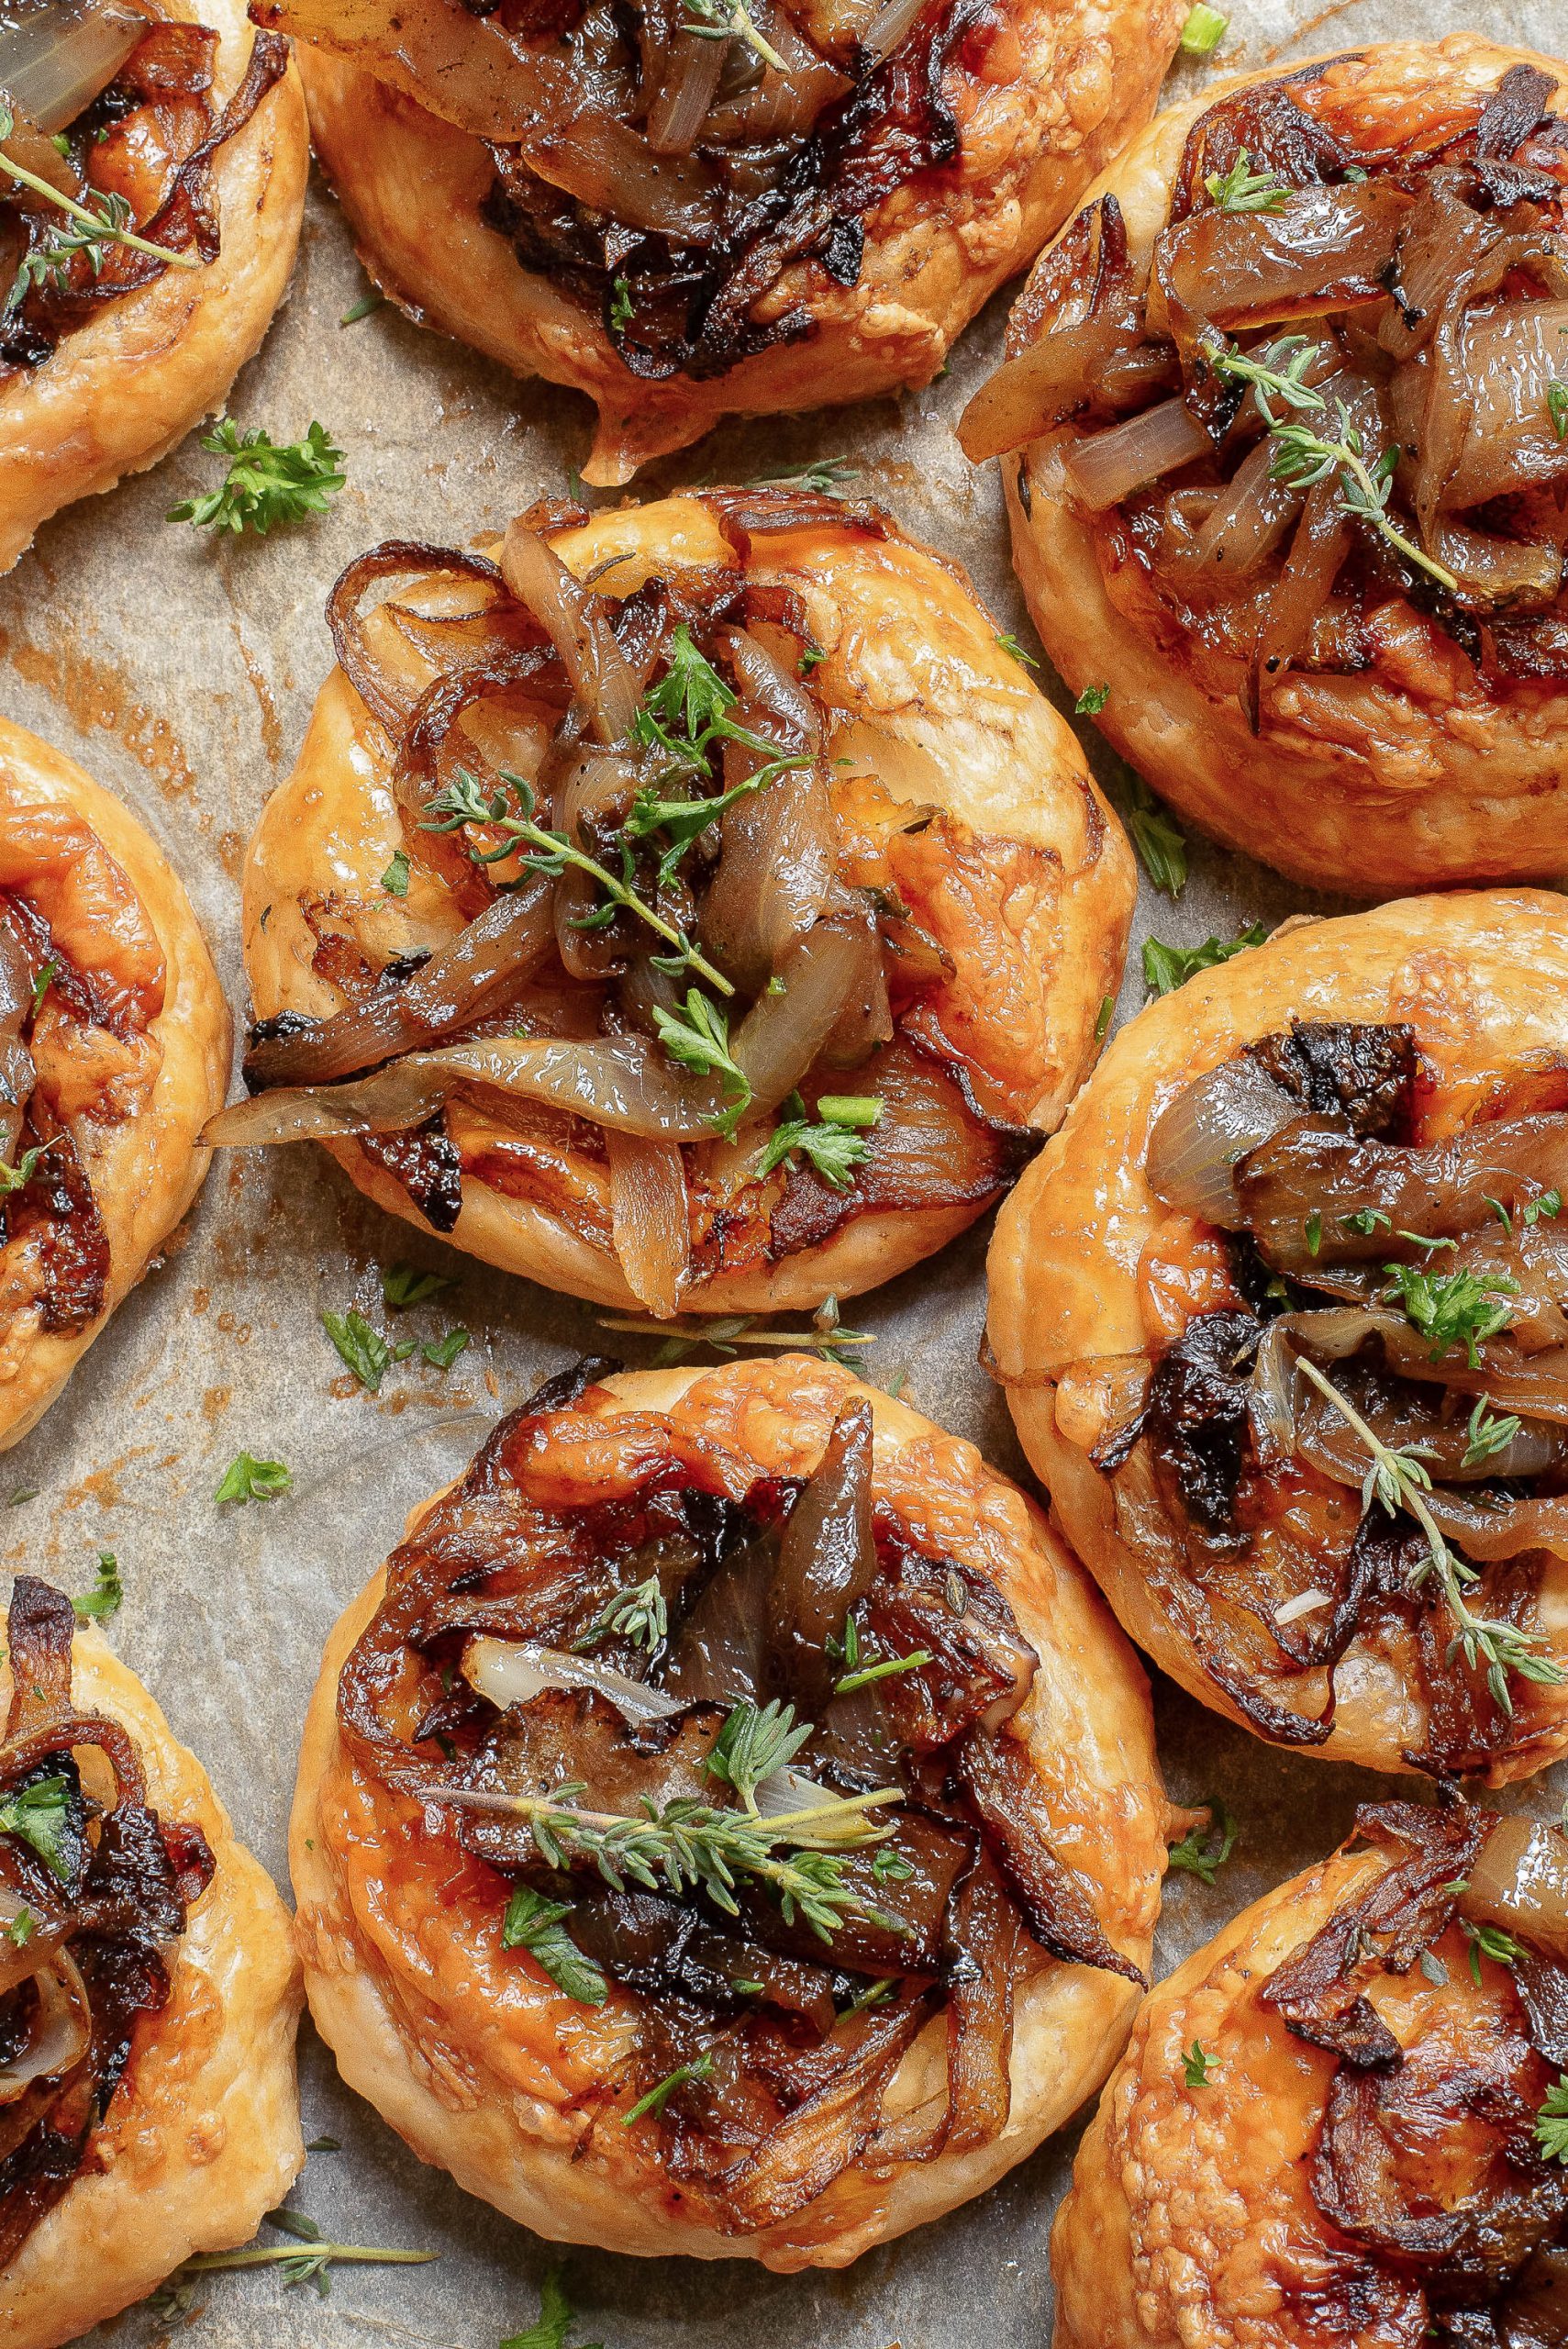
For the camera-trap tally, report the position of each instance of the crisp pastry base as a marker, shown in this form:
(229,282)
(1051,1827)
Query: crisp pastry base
(1190,2222)
(910,652)
(147,1169)
(1484,979)
(122,390)
(1412,790)
(936,251)
(203,2137)
(476,2064)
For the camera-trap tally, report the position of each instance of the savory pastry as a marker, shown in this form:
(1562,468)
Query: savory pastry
(690,208)
(153,190)
(114,1050)
(720,909)
(730,1824)
(148,1993)
(1292,411)
(1346,2119)
(1280,1316)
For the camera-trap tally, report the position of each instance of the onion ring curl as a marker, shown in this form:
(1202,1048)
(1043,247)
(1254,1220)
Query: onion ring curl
(1279,1316)
(1350,665)
(202,135)
(149,1993)
(602,207)
(912,901)
(1328,2121)
(629,1567)
(114,1052)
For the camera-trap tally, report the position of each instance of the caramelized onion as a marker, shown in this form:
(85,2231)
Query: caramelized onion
(686,88)
(611,168)
(776,876)
(476,972)
(1105,467)
(462,65)
(1250,520)
(1521,1882)
(513,1672)
(781,1034)
(620,1082)
(55,60)
(887,29)
(1198,1139)
(1510,357)
(650,1217)
(826,1560)
(577,622)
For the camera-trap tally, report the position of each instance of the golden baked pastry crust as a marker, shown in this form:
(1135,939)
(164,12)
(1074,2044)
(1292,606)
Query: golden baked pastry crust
(934,251)
(142,1157)
(1417,791)
(1040,940)
(1483,979)
(477,2064)
(125,387)
(203,2137)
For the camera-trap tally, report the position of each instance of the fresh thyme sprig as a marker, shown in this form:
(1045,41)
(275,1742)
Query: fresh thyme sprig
(639,1615)
(752,1744)
(299,2266)
(1398,1480)
(825,476)
(728,20)
(108,225)
(691,1846)
(1304,457)
(48,263)
(727,1333)
(1241,189)
(462,802)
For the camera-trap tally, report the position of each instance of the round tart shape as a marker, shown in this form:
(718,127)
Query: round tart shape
(903,917)
(658,218)
(1375,705)
(151,1994)
(202,136)
(654,1565)
(1279,1317)
(114,1049)
(1328,2123)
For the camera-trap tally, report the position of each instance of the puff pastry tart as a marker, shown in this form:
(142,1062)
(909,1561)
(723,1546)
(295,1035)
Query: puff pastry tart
(182,136)
(695,207)
(698,905)
(148,1993)
(114,1049)
(1340,2121)
(730,1824)
(1280,1315)
(1286,451)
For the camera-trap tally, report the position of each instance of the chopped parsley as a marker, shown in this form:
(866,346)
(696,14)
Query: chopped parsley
(1161,844)
(538,1925)
(40,1815)
(43,983)
(17,1177)
(1102,1017)
(1552,2122)
(699,1040)
(620,302)
(404,1285)
(248,1479)
(365,1349)
(830,1142)
(1091,701)
(1366,1222)
(441,1352)
(267,482)
(1165,968)
(1203,1850)
(1198,2066)
(1009,644)
(1557,408)
(555,2320)
(1460,1308)
(108,1593)
(394,880)
(19,1931)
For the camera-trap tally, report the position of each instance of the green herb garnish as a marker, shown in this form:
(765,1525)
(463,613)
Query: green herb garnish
(394,880)
(40,1815)
(657,2097)
(365,1349)
(639,1615)
(829,1142)
(1091,701)
(1240,189)
(108,1593)
(1198,2066)
(248,1479)
(1161,844)
(1203,1850)
(538,1925)
(1165,968)
(1488,1433)
(1461,1308)
(1203,31)
(267,482)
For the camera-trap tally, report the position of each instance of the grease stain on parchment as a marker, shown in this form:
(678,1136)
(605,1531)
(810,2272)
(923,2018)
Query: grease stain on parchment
(99,700)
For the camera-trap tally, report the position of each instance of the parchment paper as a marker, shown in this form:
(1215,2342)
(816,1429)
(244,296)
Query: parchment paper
(181,672)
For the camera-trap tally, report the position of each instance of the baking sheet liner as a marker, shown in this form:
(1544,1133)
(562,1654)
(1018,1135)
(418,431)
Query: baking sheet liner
(181,672)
